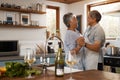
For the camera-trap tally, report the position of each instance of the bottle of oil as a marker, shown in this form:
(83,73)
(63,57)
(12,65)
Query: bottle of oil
(59,63)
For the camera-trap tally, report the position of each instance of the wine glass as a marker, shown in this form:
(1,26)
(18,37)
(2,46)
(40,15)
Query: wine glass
(30,59)
(71,60)
(44,62)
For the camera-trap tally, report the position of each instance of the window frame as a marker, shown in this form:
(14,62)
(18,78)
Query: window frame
(57,16)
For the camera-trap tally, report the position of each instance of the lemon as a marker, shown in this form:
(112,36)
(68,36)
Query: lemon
(2,69)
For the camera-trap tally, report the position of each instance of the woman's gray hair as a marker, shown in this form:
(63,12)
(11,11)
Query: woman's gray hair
(95,14)
(66,19)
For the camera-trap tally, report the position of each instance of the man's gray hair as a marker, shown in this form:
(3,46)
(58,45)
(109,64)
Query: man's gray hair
(66,19)
(95,14)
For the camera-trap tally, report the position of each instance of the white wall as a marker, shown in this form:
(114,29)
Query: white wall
(29,37)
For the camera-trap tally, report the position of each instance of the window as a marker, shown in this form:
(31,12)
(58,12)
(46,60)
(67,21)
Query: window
(110,20)
(52,20)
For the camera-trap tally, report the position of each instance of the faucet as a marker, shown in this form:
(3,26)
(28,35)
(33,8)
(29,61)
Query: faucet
(44,60)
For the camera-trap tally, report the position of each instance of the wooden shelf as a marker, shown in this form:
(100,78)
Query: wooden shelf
(21,26)
(22,10)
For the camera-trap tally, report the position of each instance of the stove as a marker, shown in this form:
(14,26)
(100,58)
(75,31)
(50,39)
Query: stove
(113,61)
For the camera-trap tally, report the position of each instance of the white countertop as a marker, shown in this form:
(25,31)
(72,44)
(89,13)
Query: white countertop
(66,69)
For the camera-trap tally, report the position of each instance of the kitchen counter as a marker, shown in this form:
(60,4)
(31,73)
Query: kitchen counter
(82,75)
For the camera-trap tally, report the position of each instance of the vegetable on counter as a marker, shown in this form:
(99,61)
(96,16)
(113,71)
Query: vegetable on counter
(17,69)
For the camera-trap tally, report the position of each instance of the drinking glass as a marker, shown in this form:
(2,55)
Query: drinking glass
(71,60)
(30,58)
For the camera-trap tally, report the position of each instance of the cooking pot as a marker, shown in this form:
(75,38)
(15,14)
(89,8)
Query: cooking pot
(112,50)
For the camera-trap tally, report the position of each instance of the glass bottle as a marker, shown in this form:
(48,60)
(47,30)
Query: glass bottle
(59,62)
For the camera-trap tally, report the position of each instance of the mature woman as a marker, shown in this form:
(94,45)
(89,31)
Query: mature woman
(71,36)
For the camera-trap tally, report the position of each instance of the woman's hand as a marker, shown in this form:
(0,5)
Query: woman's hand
(73,51)
(80,41)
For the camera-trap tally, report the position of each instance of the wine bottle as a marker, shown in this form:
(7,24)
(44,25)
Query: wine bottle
(59,63)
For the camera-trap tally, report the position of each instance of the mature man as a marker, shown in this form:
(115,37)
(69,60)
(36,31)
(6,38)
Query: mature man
(94,40)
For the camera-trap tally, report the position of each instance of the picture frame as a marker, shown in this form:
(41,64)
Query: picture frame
(10,18)
(25,19)
(79,19)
